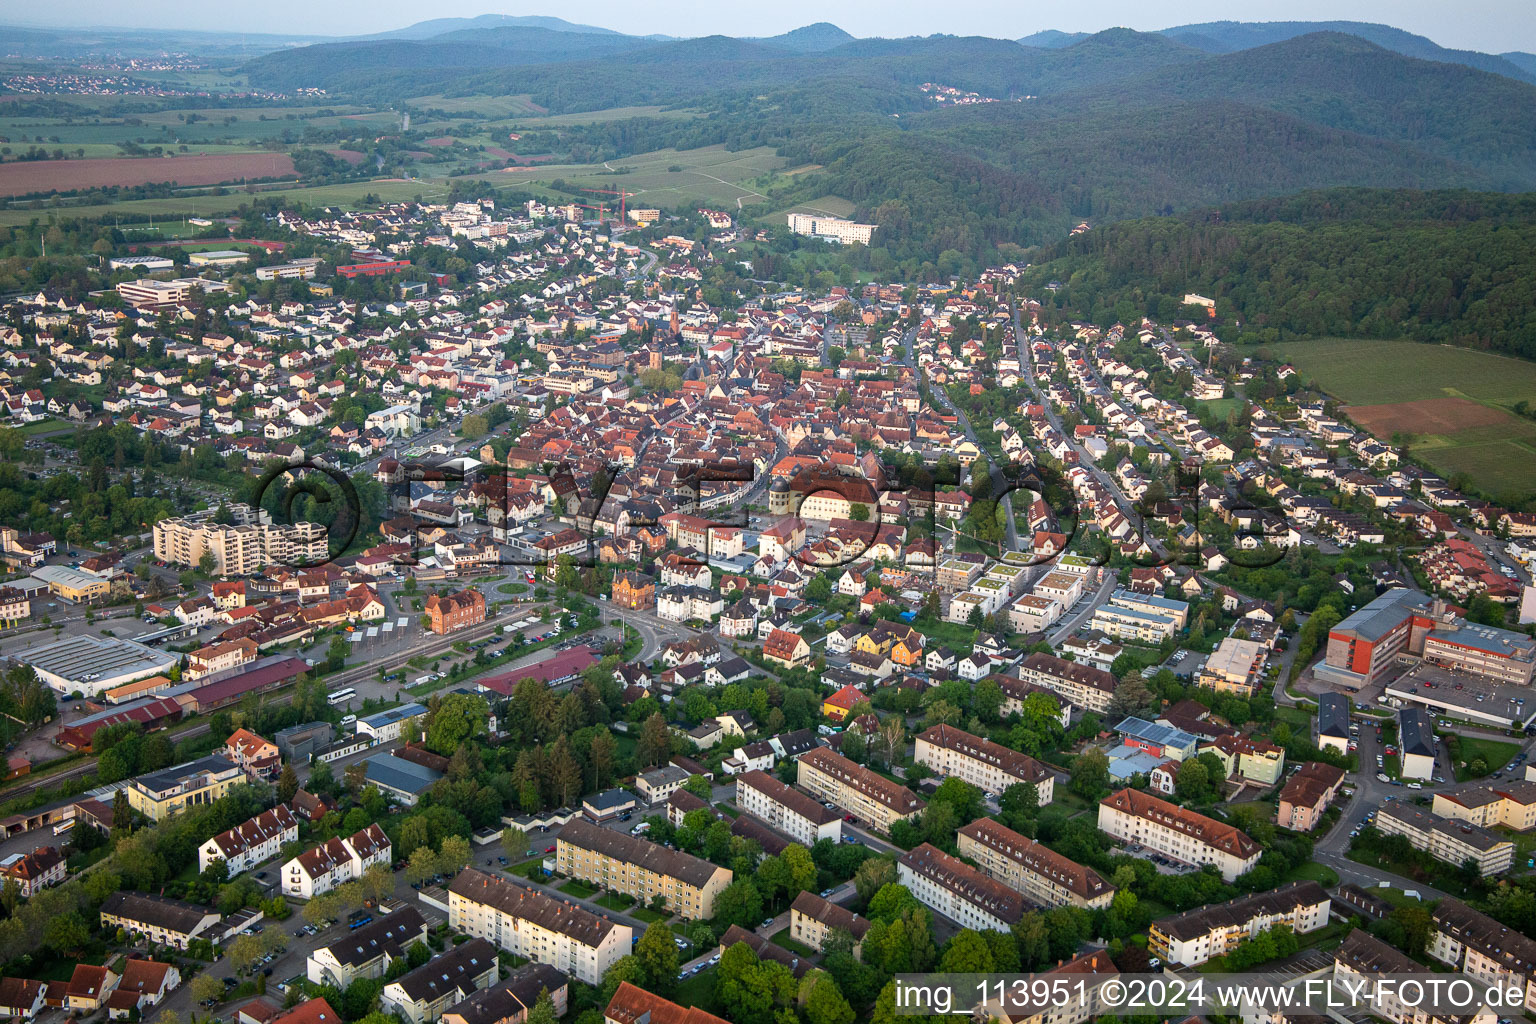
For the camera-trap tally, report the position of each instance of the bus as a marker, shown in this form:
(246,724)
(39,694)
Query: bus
(63,826)
(340,696)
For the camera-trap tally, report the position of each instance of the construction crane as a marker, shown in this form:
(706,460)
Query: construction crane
(601,208)
(621,193)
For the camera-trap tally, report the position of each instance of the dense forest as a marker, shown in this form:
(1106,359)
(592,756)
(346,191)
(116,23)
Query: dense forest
(1444,266)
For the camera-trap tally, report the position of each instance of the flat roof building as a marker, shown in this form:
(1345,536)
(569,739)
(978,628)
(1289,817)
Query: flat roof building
(93,665)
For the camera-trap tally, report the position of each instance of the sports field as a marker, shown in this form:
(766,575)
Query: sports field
(1452,403)
(667,178)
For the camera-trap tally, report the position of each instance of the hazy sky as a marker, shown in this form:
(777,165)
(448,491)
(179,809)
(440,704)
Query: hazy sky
(1493,26)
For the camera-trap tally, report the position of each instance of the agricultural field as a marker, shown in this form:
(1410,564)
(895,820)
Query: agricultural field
(1453,405)
(31,176)
(348,194)
(668,178)
(828,206)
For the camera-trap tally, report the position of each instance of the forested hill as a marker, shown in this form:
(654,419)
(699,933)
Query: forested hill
(1445,266)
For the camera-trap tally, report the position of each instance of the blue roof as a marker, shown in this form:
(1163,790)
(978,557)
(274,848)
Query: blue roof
(1154,732)
(399,774)
(394,715)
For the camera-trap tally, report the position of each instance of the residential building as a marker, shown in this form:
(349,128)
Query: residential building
(833,229)
(224,656)
(786,648)
(1364,958)
(1511,804)
(144,984)
(865,794)
(1476,944)
(257,757)
(389,725)
(368,951)
(1333,722)
(1137,624)
(1042,875)
(639,868)
(657,784)
(89,988)
(335,861)
(1087,687)
(164,921)
(169,791)
(33,872)
(239,550)
(786,809)
(449,613)
(449,978)
(1171,830)
(951,887)
(634,1005)
(1450,840)
(509,1001)
(1235,666)
(535,925)
(1248,757)
(1192,938)
(1086,974)
(1307,794)
(989,766)
(252,842)
(1416,735)
(813,920)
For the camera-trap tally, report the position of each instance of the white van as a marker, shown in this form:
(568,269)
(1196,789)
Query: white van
(348,720)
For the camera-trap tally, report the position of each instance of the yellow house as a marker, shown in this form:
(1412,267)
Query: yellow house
(169,791)
(73,584)
(967,452)
(875,642)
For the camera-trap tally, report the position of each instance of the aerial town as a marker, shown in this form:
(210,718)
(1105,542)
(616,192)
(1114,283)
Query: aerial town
(620,638)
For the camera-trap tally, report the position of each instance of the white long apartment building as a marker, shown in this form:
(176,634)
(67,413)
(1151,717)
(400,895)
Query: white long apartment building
(867,795)
(1135,817)
(251,842)
(786,809)
(1042,875)
(1087,687)
(1192,938)
(335,862)
(239,550)
(1476,944)
(951,887)
(1450,840)
(990,767)
(536,926)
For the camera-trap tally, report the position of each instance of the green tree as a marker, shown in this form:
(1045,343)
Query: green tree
(739,903)
(1090,774)
(657,955)
(825,1004)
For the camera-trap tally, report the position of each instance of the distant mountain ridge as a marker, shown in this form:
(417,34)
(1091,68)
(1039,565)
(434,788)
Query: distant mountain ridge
(442,26)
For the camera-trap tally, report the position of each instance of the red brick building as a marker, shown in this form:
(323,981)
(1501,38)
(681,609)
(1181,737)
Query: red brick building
(455,611)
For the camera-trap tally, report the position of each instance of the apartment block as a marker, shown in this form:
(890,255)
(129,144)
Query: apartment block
(640,868)
(446,980)
(1235,666)
(1042,875)
(169,791)
(1511,804)
(1307,794)
(1476,944)
(1166,828)
(536,926)
(1451,840)
(813,920)
(991,767)
(867,795)
(369,951)
(951,887)
(1192,938)
(1087,687)
(782,807)
(239,550)
(164,921)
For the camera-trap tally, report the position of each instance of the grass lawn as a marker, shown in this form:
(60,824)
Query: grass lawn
(512,587)
(1495,754)
(951,634)
(666,178)
(647,915)
(782,938)
(529,868)
(577,889)
(1313,872)
(613,901)
(1295,717)
(698,990)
